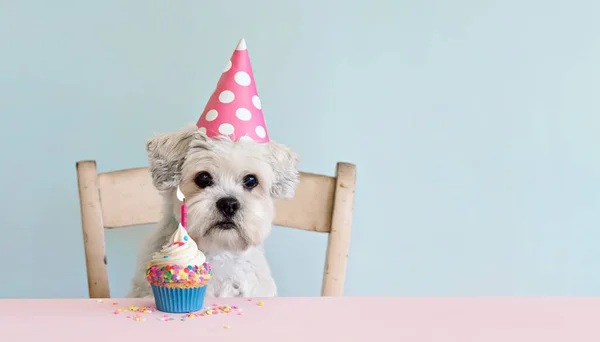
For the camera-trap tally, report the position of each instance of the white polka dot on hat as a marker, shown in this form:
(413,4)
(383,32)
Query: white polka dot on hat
(234,109)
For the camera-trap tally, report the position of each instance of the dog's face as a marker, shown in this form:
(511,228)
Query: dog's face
(229,186)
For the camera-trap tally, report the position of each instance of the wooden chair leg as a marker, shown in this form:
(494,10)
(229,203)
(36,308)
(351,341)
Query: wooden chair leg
(341,225)
(93,229)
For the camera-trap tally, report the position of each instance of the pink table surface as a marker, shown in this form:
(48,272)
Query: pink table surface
(482,319)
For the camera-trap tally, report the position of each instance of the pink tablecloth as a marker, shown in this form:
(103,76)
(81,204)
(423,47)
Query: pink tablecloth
(308,319)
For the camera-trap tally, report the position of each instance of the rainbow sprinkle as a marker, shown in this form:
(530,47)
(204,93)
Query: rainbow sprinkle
(192,274)
(138,318)
(137,313)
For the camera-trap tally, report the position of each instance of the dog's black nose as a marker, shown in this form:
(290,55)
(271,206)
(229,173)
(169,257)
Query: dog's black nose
(228,206)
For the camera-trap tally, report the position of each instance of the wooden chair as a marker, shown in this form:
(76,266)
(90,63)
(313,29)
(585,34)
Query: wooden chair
(128,198)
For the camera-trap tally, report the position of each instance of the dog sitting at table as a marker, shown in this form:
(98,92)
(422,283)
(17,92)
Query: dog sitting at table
(230,173)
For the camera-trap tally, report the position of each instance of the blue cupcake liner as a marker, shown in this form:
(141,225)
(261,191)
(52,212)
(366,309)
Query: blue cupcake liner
(175,300)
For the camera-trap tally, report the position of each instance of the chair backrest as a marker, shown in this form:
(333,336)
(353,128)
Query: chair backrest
(127,198)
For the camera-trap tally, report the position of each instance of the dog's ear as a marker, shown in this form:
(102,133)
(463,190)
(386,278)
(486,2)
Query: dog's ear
(284,163)
(166,154)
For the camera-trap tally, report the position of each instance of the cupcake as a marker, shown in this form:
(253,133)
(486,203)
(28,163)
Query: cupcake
(178,274)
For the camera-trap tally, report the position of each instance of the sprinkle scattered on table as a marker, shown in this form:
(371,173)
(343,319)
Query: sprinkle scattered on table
(138,318)
(226,327)
(217,310)
(212,310)
(144,309)
(166,318)
(261,303)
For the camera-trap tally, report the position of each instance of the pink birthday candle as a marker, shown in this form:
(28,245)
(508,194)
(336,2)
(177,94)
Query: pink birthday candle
(184,214)
(181,197)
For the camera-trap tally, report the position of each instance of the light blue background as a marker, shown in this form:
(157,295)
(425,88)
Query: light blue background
(474,125)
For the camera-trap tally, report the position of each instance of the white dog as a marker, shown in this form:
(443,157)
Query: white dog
(230,188)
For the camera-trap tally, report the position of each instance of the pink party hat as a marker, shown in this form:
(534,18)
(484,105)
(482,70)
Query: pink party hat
(234,109)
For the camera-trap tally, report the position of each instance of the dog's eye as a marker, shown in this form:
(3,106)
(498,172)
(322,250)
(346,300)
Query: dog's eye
(203,180)
(250,182)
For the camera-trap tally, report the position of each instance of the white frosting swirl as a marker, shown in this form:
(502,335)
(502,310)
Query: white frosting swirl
(180,250)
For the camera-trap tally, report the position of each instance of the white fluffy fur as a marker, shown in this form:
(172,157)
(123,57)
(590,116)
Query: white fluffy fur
(239,264)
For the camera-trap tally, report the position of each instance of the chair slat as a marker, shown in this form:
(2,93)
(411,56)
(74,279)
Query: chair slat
(129,198)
